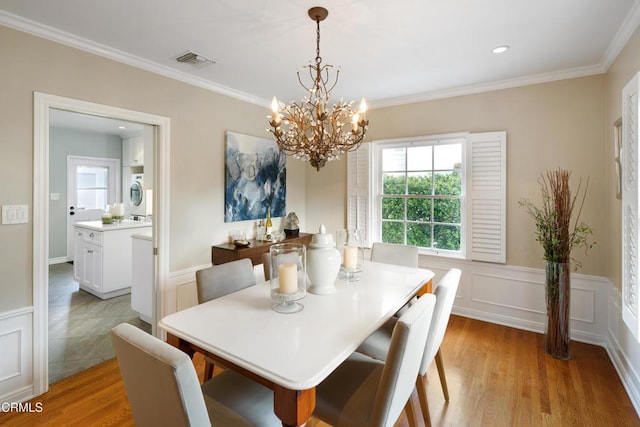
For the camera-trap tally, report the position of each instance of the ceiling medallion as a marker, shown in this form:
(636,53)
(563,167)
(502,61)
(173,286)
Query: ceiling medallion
(309,130)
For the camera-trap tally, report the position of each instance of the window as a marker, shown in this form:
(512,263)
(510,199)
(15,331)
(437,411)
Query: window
(92,187)
(421,197)
(445,194)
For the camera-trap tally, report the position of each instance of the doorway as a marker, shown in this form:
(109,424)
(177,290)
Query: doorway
(43,104)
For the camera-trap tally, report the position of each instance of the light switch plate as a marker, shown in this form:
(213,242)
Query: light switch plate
(15,214)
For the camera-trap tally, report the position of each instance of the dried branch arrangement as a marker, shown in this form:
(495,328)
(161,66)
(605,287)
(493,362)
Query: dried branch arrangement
(555,231)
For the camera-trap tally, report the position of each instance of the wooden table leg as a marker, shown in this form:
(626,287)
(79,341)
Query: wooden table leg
(293,407)
(180,344)
(427,288)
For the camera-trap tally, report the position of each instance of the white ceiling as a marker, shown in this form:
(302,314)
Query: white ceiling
(390,52)
(96,124)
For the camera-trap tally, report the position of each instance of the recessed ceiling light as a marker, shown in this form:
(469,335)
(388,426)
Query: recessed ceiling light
(500,49)
(121,127)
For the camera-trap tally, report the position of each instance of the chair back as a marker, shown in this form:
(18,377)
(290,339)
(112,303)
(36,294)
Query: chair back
(403,362)
(445,293)
(160,380)
(391,253)
(220,280)
(266,262)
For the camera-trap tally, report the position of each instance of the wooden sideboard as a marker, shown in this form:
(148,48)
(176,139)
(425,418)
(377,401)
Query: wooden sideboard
(228,252)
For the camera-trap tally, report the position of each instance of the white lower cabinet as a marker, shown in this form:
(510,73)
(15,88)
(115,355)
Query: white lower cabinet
(142,279)
(102,264)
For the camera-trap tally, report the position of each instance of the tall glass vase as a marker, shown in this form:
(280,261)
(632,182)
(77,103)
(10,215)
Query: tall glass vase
(558,291)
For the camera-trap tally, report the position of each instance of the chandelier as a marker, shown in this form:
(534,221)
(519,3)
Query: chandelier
(309,130)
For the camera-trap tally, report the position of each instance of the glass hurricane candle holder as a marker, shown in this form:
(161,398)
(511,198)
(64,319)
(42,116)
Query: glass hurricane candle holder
(350,243)
(288,276)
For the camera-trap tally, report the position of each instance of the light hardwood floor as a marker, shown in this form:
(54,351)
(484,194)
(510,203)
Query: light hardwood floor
(497,376)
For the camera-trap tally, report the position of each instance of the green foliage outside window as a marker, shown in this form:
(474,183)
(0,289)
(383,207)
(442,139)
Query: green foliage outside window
(422,214)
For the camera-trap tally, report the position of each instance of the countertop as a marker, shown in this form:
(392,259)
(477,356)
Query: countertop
(99,226)
(147,235)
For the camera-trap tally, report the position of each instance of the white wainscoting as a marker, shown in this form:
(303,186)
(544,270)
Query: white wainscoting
(514,296)
(16,363)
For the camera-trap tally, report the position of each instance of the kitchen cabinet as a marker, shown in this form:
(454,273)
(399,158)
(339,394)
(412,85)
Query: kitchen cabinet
(142,275)
(133,151)
(102,264)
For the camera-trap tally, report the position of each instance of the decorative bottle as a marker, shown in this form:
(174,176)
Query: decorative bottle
(268,225)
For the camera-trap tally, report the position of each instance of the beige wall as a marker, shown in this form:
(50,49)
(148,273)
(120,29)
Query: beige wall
(548,125)
(565,123)
(199,119)
(626,65)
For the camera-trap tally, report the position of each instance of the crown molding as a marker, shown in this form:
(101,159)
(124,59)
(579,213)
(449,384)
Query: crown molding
(488,87)
(622,37)
(53,34)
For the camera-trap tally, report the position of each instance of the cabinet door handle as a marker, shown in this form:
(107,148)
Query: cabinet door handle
(90,251)
(91,235)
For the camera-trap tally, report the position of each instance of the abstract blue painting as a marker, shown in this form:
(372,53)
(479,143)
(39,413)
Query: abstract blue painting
(255,178)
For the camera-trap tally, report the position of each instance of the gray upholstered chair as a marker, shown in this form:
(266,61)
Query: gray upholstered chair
(163,389)
(391,253)
(220,280)
(378,344)
(364,391)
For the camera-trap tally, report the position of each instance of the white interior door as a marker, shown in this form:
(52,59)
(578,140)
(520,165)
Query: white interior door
(92,184)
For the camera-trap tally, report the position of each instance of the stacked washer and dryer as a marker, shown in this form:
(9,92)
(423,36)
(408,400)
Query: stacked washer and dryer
(137,199)
(137,164)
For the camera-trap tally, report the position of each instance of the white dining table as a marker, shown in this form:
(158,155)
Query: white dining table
(293,353)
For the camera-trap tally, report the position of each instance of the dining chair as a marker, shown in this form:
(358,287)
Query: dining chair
(220,280)
(163,389)
(378,344)
(364,391)
(392,253)
(396,254)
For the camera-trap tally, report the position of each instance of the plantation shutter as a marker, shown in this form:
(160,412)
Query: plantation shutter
(358,200)
(486,196)
(629,161)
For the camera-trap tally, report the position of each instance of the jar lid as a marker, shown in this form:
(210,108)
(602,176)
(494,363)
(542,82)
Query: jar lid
(322,239)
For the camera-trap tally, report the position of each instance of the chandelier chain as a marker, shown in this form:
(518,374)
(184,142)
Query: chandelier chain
(318,57)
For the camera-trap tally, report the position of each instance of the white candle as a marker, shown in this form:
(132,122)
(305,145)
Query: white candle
(288,278)
(350,257)
(120,209)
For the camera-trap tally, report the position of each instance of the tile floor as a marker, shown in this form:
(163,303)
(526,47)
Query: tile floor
(79,324)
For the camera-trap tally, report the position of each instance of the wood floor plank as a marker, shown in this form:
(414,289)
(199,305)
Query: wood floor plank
(497,376)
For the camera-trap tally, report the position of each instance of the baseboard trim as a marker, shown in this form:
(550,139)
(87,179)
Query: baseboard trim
(59,260)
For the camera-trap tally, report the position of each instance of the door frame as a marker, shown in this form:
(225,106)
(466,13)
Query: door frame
(114,187)
(42,104)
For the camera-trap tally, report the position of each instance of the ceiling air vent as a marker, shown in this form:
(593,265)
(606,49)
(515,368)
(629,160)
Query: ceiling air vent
(194,59)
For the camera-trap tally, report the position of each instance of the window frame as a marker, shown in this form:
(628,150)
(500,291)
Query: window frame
(376,189)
